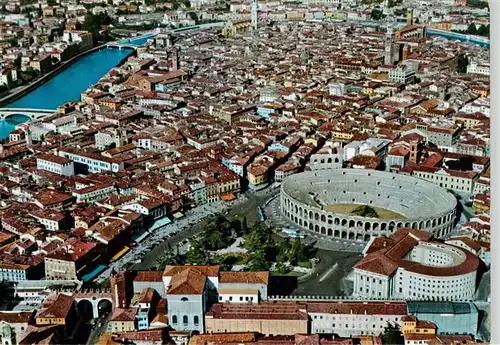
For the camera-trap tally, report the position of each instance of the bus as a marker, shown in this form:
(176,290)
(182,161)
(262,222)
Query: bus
(120,254)
(294,233)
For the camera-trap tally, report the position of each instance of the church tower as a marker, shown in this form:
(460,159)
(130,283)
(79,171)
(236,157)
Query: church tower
(255,14)
(118,286)
(389,46)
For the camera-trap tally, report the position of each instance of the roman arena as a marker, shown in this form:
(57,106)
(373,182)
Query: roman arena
(323,202)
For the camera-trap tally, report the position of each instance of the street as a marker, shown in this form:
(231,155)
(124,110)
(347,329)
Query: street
(244,206)
(95,333)
(155,244)
(326,281)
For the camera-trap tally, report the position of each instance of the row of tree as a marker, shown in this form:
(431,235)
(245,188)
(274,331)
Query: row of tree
(262,249)
(483,30)
(94,24)
(477,4)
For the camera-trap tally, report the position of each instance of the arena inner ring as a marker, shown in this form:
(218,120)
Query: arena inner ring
(306,200)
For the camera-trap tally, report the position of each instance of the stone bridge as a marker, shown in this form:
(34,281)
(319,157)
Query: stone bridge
(99,299)
(33,114)
(121,45)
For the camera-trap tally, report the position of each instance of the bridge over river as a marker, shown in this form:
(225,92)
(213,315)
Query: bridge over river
(33,114)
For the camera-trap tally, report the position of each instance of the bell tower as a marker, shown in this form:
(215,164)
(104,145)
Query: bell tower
(389,46)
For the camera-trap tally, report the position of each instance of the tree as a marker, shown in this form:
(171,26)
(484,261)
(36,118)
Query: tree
(93,24)
(477,4)
(244,226)
(482,31)
(297,252)
(169,258)
(110,146)
(463,62)
(392,335)
(472,29)
(377,14)
(13,42)
(258,238)
(281,258)
(258,262)
(197,255)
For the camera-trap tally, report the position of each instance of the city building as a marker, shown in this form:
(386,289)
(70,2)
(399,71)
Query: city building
(404,73)
(348,318)
(450,317)
(302,203)
(69,261)
(89,162)
(409,265)
(265,318)
(83,38)
(191,289)
(13,272)
(13,326)
(476,68)
(56,164)
(110,138)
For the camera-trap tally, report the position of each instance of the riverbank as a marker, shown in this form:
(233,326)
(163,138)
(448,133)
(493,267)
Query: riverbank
(12,97)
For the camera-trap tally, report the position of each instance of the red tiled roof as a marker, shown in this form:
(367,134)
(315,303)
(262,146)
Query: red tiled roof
(209,271)
(123,315)
(386,259)
(263,311)
(58,309)
(358,308)
(244,277)
(149,276)
(187,282)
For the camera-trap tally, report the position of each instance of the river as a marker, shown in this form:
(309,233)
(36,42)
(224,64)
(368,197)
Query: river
(68,85)
(9,125)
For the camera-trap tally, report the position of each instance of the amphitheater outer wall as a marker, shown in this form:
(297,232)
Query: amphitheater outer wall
(333,225)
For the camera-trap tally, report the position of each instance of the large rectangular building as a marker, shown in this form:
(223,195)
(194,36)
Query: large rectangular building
(93,163)
(449,317)
(56,164)
(265,318)
(354,318)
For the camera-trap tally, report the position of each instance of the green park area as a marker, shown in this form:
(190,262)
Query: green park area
(234,243)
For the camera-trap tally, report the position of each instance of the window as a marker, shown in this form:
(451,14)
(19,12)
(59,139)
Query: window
(174,319)
(185,320)
(196,320)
